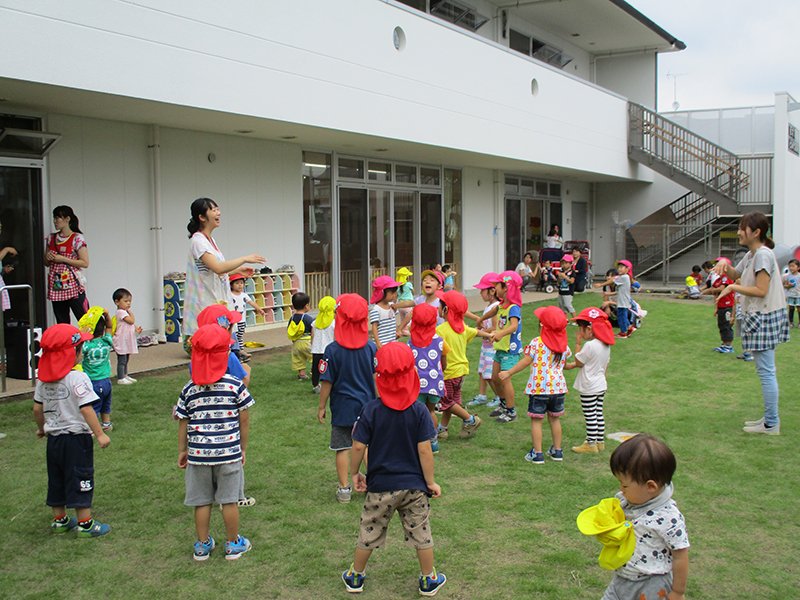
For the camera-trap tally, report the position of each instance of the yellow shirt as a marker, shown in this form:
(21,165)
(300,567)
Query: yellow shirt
(457,363)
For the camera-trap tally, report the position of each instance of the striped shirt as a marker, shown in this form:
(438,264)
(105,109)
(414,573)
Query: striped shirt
(387,323)
(213,414)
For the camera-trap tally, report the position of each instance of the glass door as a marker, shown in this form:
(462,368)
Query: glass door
(403,228)
(380,234)
(514,236)
(354,266)
(431,229)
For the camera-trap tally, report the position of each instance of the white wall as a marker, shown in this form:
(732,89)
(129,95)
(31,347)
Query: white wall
(103,170)
(786,175)
(631,75)
(573,191)
(480,215)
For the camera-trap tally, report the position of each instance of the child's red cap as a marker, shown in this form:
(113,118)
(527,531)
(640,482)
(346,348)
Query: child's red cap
(601,326)
(58,351)
(554,327)
(352,328)
(210,347)
(218,314)
(235,277)
(396,376)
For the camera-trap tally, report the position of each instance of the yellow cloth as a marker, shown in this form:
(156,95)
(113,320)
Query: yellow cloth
(690,281)
(89,320)
(402,275)
(325,317)
(457,363)
(606,521)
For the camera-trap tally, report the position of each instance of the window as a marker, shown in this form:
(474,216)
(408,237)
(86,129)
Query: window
(418,4)
(530,46)
(406,174)
(430,176)
(380,171)
(458,14)
(351,168)
(317,223)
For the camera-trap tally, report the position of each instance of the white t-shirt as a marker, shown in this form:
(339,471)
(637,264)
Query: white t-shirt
(62,401)
(239,303)
(322,337)
(591,377)
(203,286)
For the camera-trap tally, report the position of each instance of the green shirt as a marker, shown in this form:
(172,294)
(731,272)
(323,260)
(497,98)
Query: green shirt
(96,357)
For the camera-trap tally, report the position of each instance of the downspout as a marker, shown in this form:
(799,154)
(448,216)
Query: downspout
(498,233)
(158,300)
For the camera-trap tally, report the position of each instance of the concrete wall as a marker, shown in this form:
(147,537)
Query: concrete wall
(631,75)
(482,244)
(786,174)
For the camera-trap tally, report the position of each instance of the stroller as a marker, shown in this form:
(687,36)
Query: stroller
(548,279)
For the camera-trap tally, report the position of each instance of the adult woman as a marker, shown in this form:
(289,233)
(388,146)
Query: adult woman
(206,268)
(528,273)
(66,255)
(553,239)
(765,324)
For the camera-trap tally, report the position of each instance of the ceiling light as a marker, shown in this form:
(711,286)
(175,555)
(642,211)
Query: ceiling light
(288,137)
(244,131)
(381,149)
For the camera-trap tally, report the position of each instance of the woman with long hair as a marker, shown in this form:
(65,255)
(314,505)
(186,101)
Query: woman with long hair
(66,256)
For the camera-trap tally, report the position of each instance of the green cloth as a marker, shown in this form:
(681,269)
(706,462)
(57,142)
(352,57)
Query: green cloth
(96,357)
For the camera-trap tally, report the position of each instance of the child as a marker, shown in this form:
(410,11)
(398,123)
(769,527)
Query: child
(300,330)
(549,279)
(546,388)
(400,477)
(488,325)
(456,336)
(724,311)
(566,285)
(324,326)
(62,409)
(239,302)
(382,315)
(692,289)
(659,565)
(449,278)
(507,340)
(346,374)
(697,274)
(97,360)
(124,334)
(622,283)
(429,350)
(708,273)
(212,440)
(432,282)
(791,282)
(592,360)
(405,297)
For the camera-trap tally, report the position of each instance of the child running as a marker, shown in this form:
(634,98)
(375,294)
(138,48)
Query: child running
(239,302)
(486,359)
(429,351)
(400,479)
(124,334)
(324,326)
(791,284)
(382,314)
(507,340)
(592,359)
(546,388)
(97,360)
(456,336)
(62,409)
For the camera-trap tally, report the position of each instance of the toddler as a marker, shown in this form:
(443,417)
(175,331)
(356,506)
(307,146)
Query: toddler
(324,326)
(724,310)
(566,285)
(125,331)
(546,388)
(239,302)
(382,314)
(405,297)
(791,283)
(97,360)
(449,278)
(300,330)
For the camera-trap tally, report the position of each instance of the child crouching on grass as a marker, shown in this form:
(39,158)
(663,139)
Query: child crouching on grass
(212,440)
(62,409)
(397,430)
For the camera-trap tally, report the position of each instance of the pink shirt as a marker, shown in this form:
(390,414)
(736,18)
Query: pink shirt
(125,335)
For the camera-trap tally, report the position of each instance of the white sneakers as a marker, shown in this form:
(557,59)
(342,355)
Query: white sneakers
(126,380)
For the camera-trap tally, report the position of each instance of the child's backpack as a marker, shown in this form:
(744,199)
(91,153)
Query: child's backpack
(296,330)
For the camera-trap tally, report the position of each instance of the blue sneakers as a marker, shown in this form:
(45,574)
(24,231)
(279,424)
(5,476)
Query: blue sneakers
(353,582)
(428,586)
(557,455)
(202,550)
(61,527)
(723,349)
(96,529)
(478,400)
(233,550)
(435,446)
(493,403)
(534,457)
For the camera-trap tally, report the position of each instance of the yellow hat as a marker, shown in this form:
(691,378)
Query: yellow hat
(325,316)
(402,275)
(606,521)
(89,320)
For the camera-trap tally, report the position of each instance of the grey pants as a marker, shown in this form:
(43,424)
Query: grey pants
(122,365)
(656,587)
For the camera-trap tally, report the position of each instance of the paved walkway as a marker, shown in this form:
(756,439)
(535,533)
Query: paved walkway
(171,356)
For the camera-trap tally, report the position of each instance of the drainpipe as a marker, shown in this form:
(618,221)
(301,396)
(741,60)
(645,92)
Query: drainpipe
(157,228)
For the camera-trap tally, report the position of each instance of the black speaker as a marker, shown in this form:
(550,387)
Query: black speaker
(20,364)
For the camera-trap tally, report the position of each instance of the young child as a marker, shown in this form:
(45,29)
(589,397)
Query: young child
(405,297)
(212,440)
(708,274)
(400,479)
(324,326)
(432,282)
(697,273)
(507,340)
(300,330)
(566,285)
(124,334)
(97,360)
(724,311)
(449,278)
(346,377)
(62,409)
(456,336)
(486,359)
(692,289)
(546,388)
(659,565)
(382,315)
(549,278)
(239,302)
(622,284)
(429,350)
(592,359)
(791,283)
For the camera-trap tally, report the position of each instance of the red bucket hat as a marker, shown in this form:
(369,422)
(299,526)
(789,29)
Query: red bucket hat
(210,347)
(423,324)
(235,277)
(352,329)
(554,327)
(396,376)
(456,305)
(487,281)
(601,326)
(379,284)
(218,314)
(58,351)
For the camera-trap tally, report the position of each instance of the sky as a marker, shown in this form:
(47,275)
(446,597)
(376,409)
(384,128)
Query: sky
(738,52)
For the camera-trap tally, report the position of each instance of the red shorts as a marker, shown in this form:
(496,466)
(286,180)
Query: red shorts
(452,393)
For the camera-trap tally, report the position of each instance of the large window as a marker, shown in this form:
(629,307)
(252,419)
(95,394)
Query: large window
(317,222)
(452,11)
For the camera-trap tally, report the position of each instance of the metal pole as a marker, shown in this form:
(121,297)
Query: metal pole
(32,340)
(664,244)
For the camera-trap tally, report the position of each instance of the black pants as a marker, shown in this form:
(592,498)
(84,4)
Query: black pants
(78,305)
(724,324)
(791,315)
(315,358)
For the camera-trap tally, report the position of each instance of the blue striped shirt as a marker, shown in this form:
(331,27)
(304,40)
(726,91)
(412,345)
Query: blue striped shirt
(213,414)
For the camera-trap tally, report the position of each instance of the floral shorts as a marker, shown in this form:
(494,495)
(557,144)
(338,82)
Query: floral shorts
(486,361)
(414,508)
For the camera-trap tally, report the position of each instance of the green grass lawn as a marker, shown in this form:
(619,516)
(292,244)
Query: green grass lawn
(503,528)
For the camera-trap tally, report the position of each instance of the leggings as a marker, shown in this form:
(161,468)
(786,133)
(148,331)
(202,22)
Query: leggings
(791,315)
(122,365)
(592,406)
(315,359)
(79,305)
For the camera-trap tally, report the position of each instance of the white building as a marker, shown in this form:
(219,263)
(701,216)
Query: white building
(333,134)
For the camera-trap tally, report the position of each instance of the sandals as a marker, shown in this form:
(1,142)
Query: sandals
(247,501)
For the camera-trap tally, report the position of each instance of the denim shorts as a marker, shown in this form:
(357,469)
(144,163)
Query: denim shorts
(505,359)
(552,404)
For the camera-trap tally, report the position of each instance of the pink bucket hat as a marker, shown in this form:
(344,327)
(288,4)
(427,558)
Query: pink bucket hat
(379,284)
(567,258)
(487,281)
